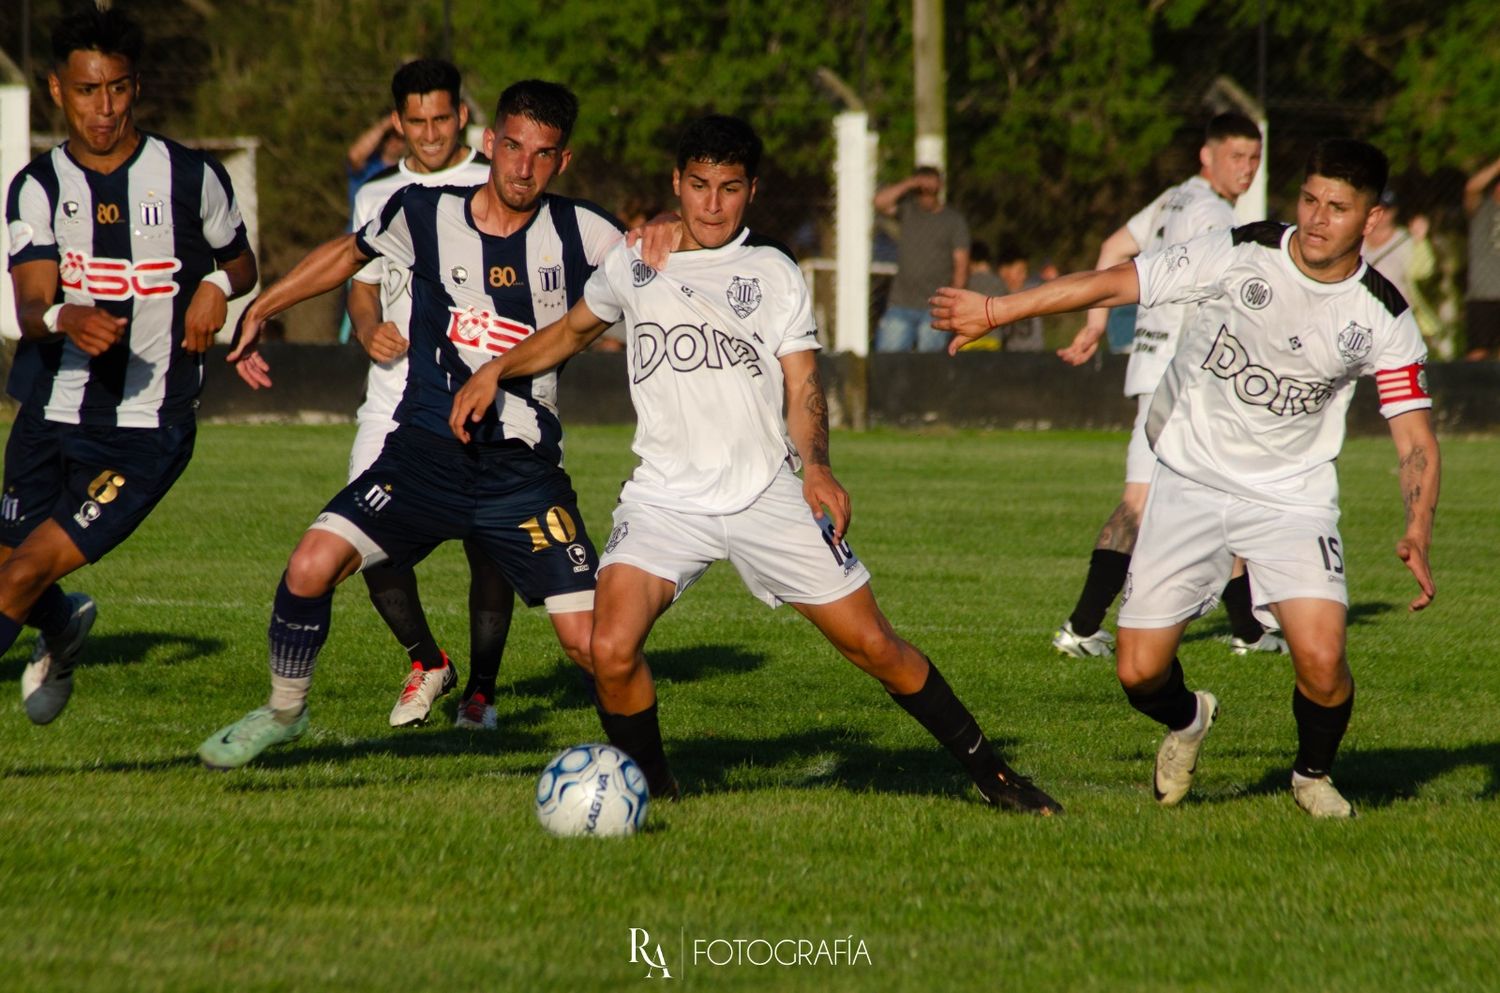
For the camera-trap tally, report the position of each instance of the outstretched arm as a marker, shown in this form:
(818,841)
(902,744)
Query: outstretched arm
(1420,469)
(807,424)
(971,315)
(546,349)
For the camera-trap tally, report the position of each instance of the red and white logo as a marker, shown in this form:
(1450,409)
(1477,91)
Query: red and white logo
(118,279)
(486,331)
(1406,383)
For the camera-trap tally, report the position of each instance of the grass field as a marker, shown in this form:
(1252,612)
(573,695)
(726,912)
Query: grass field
(361,858)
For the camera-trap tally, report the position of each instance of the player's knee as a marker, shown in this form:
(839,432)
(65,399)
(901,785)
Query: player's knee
(612,656)
(23,577)
(311,572)
(1322,672)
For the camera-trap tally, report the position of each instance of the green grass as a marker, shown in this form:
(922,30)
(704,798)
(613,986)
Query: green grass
(361,858)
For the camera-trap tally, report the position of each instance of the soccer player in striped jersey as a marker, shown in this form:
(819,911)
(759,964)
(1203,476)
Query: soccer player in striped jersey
(1229,159)
(125,249)
(1246,427)
(430,115)
(486,266)
(719,343)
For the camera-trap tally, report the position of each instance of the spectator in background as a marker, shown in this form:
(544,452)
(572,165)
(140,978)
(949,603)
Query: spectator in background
(1482,303)
(984,279)
(1405,257)
(933,252)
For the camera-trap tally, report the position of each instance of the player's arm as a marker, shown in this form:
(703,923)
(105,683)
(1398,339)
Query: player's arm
(807,425)
(324,268)
(380,339)
(1420,471)
(1118,247)
(210,306)
(1477,184)
(92,329)
(547,349)
(970,316)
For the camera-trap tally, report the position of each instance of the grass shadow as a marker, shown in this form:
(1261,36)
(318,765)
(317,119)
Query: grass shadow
(128,648)
(1380,777)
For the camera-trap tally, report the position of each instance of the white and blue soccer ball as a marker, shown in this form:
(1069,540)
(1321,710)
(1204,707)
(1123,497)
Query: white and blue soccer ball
(591,791)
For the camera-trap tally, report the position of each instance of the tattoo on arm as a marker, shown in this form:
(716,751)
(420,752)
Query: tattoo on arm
(1413,468)
(817,410)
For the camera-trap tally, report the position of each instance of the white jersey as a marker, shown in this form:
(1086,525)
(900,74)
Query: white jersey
(704,338)
(386,380)
(1182,213)
(1254,401)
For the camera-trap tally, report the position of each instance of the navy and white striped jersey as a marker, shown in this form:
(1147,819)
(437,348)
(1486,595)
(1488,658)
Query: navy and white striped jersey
(475,296)
(136,243)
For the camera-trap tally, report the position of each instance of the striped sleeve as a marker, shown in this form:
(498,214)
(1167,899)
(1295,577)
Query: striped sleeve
(388,234)
(223,227)
(28,217)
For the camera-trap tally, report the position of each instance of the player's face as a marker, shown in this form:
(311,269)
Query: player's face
(714,198)
(1231,164)
(1332,221)
(524,158)
(433,130)
(96,93)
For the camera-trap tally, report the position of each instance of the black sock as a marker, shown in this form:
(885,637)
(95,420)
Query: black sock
(299,626)
(1319,731)
(1171,704)
(51,611)
(939,710)
(10,630)
(639,736)
(1242,622)
(491,603)
(1105,580)
(394,594)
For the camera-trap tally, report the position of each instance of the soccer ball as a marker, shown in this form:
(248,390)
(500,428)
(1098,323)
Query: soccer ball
(591,790)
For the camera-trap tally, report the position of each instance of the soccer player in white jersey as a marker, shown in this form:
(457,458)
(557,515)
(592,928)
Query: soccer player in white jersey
(1246,427)
(125,249)
(487,266)
(717,342)
(1229,159)
(431,117)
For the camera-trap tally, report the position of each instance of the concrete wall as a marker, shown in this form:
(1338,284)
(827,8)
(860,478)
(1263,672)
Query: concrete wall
(988,390)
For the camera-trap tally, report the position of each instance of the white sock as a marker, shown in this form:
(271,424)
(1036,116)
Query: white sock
(289,694)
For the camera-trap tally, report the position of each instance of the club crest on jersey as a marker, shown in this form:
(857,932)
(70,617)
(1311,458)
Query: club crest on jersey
(617,535)
(484,330)
(641,273)
(151,212)
(550,278)
(1355,342)
(1256,293)
(1176,256)
(459,275)
(744,296)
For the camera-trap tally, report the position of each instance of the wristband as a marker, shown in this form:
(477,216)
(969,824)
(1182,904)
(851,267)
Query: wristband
(987,319)
(219,278)
(49,319)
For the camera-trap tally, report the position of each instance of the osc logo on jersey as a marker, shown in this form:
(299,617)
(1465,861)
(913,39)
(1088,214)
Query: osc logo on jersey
(117,279)
(484,330)
(592,791)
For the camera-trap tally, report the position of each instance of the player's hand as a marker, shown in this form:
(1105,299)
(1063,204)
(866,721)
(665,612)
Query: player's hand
(94,331)
(383,342)
(658,238)
(1414,553)
(961,312)
(1083,346)
(205,316)
(820,489)
(476,397)
(249,364)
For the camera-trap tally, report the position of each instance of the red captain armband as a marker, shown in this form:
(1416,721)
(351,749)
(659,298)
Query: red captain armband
(1399,385)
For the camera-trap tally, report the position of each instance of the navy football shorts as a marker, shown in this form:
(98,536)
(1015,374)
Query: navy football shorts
(424,489)
(97,482)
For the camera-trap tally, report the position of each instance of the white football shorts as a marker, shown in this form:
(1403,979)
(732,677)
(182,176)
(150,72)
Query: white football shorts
(369,439)
(1139,460)
(777,546)
(1190,535)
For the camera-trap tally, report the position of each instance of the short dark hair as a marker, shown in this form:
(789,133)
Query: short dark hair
(1358,163)
(1231,124)
(88,29)
(1011,252)
(551,105)
(719,139)
(979,252)
(425,76)
(927,170)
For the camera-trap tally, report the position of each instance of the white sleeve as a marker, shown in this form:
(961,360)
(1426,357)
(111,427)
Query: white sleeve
(799,329)
(1210,214)
(1186,272)
(29,216)
(1399,367)
(367,204)
(222,223)
(598,234)
(1141,224)
(599,292)
(388,235)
